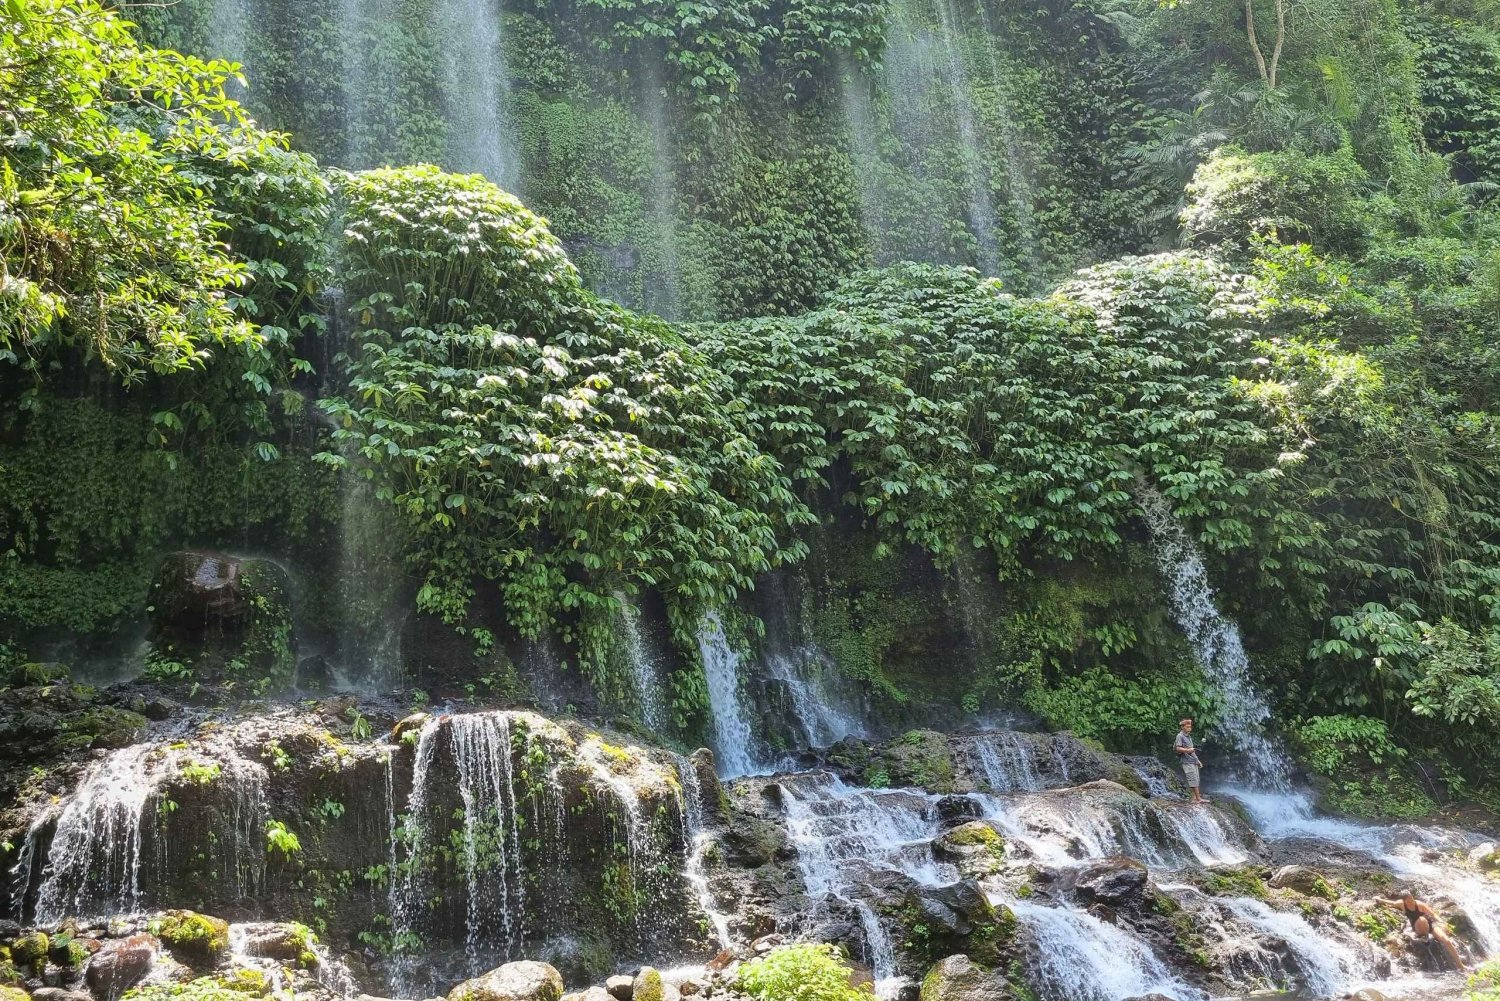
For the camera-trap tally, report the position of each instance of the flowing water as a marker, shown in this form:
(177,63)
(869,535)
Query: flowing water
(734,741)
(1215,640)
(476,90)
(698,841)
(643,666)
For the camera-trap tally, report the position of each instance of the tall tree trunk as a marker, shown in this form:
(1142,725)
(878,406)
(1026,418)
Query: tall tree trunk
(1268,70)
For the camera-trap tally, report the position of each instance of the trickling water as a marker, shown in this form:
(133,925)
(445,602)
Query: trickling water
(664,299)
(1007,761)
(476,90)
(1324,966)
(1080,958)
(492,863)
(643,666)
(697,842)
(411,882)
(733,738)
(1215,639)
(819,717)
(228,25)
(93,864)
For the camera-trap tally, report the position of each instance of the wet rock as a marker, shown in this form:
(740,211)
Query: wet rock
(60,994)
(121,964)
(1485,856)
(68,953)
(1119,882)
(1150,997)
(1366,994)
(524,981)
(1302,879)
(208,609)
(920,758)
(284,941)
(707,773)
(620,987)
(30,950)
(592,994)
(976,848)
(958,979)
(195,939)
(649,986)
(953,810)
(12,993)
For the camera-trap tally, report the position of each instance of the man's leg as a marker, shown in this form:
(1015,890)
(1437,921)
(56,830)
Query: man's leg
(1190,772)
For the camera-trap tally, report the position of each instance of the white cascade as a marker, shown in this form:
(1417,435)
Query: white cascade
(643,666)
(733,738)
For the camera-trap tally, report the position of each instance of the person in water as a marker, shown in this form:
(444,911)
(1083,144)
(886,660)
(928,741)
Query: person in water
(1187,754)
(1425,924)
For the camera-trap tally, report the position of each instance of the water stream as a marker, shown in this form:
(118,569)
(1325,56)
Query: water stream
(734,741)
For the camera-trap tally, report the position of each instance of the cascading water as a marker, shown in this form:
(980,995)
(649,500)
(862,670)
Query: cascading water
(733,738)
(1008,762)
(492,862)
(1081,958)
(818,714)
(1215,640)
(476,90)
(698,841)
(643,666)
(228,26)
(93,864)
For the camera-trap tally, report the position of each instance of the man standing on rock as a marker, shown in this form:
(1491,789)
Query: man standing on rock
(1188,755)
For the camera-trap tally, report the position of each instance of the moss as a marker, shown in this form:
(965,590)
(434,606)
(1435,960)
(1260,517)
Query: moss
(977,834)
(192,937)
(67,952)
(649,985)
(1241,881)
(30,950)
(1379,923)
(101,727)
(921,758)
(236,985)
(39,674)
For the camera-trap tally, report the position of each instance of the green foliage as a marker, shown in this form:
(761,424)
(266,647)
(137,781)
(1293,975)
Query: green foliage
(531,435)
(798,973)
(1235,882)
(1484,983)
(280,839)
(1292,196)
(236,985)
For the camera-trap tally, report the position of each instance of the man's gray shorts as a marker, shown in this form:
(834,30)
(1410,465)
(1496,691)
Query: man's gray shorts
(1191,773)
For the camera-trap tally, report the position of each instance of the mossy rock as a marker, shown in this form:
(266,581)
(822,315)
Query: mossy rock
(976,848)
(649,985)
(523,981)
(9,993)
(921,758)
(30,950)
(1239,881)
(236,985)
(39,674)
(102,727)
(67,952)
(193,938)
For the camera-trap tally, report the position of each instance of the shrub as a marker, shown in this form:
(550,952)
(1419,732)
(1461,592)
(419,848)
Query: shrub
(799,973)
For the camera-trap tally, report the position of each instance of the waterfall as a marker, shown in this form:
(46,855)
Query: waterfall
(842,834)
(1080,958)
(819,717)
(697,841)
(665,299)
(93,864)
(733,738)
(1007,761)
(492,863)
(1215,640)
(228,21)
(411,880)
(643,666)
(1325,966)
(476,90)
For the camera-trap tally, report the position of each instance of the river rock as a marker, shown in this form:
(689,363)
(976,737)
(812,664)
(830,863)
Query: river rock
(620,987)
(195,939)
(958,979)
(649,986)
(1118,882)
(953,810)
(976,848)
(1150,997)
(1301,878)
(60,994)
(523,981)
(121,964)
(592,994)
(9,992)
(1367,994)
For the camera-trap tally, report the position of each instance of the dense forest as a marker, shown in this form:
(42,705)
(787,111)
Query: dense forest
(962,363)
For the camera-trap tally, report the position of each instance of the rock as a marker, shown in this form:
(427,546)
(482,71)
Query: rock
(1116,881)
(208,609)
(410,724)
(1302,879)
(975,847)
(711,793)
(59,994)
(120,965)
(1486,856)
(68,952)
(1150,997)
(766,943)
(524,981)
(30,950)
(690,988)
(953,810)
(649,985)
(157,710)
(620,987)
(1366,994)
(12,993)
(286,941)
(196,939)
(592,994)
(958,979)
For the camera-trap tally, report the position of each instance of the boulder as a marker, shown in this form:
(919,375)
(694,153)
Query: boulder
(592,994)
(59,994)
(649,986)
(1367,994)
(958,979)
(523,981)
(121,964)
(1300,878)
(285,941)
(954,810)
(976,848)
(9,992)
(195,939)
(620,987)
(1485,856)
(30,950)
(1118,882)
